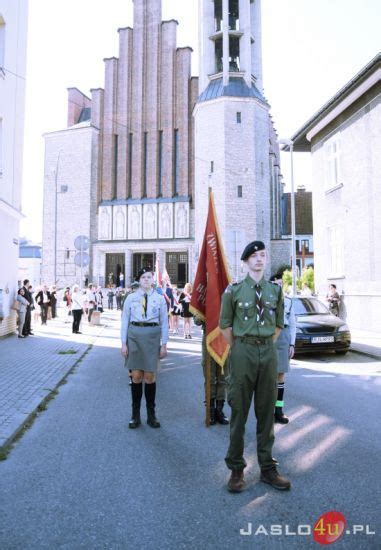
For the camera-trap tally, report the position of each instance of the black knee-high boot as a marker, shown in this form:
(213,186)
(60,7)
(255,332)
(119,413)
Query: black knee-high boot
(136,392)
(150,394)
(279,416)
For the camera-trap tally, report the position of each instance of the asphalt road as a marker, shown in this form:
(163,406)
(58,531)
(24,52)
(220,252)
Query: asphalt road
(79,478)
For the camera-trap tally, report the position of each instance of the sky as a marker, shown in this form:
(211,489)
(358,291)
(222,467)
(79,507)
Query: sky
(311,49)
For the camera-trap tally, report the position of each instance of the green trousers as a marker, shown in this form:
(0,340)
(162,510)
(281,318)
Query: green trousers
(218,382)
(253,372)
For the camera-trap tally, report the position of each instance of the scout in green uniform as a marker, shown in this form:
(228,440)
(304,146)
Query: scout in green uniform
(218,383)
(251,320)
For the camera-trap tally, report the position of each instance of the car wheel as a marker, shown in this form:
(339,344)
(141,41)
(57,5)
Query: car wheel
(341,351)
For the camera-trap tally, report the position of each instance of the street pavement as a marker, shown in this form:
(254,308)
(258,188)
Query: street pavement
(79,478)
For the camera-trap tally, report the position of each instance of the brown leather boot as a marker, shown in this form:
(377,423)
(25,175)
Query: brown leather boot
(236,483)
(273,478)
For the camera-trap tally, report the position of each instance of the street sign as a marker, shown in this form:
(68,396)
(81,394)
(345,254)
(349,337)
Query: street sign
(82,242)
(82,259)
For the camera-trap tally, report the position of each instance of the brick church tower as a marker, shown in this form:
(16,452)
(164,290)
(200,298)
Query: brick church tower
(236,152)
(126,159)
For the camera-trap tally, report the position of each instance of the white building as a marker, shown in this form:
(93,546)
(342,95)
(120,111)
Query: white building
(236,152)
(344,138)
(13,42)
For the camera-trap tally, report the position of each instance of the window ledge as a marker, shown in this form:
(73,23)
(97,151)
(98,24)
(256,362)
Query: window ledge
(335,277)
(335,188)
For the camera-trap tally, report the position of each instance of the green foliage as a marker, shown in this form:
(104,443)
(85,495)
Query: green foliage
(308,278)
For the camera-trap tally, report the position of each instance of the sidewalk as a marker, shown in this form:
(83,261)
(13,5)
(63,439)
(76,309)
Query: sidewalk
(32,368)
(366,342)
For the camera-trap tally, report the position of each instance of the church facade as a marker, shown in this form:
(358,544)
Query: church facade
(132,170)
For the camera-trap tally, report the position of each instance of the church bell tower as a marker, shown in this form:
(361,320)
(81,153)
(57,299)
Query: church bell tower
(233,129)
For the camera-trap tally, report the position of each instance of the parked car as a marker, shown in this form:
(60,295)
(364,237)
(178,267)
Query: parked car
(317,330)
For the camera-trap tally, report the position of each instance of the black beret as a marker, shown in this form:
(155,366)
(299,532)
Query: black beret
(251,248)
(141,272)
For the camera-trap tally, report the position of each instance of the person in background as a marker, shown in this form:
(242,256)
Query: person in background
(110,296)
(27,330)
(24,304)
(118,298)
(53,301)
(76,308)
(176,311)
(67,300)
(185,298)
(218,382)
(306,291)
(36,310)
(43,300)
(333,299)
(99,299)
(91,301)
(285,346)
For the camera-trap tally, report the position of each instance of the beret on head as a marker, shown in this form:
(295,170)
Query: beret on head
(141,272)
(255,246)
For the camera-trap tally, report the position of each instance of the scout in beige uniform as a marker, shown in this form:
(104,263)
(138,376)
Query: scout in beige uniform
(144,335)
(251,319)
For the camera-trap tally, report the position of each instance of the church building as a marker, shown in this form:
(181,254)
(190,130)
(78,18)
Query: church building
(131,171)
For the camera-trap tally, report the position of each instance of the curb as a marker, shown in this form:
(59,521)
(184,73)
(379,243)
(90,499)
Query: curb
(27,421)
(360,351)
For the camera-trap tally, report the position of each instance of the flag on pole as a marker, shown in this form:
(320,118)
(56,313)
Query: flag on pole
(158,278)
(211,280)
(166,277)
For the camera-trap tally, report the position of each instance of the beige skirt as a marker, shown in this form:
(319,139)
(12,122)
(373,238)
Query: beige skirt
(142,343)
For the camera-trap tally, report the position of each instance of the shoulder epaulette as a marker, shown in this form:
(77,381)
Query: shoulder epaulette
(229,288)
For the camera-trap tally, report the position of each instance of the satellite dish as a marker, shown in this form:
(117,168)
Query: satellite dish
(82,242)
(82,259)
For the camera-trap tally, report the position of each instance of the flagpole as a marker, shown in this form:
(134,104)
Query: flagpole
(208,389)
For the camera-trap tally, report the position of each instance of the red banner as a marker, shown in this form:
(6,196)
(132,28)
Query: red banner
(211,280)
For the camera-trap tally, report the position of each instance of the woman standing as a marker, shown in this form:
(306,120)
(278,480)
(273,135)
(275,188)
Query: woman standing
(144,325)
(53,301)
(185,298)
(176,311)
(76,308)
(285,346)
(21,312)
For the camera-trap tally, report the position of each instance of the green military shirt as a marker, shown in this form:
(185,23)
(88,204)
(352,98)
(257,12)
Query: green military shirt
(238,308)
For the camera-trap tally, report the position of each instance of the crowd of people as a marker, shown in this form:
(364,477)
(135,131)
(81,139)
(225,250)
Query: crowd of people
(39,305)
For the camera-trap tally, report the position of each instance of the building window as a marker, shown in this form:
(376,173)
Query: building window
(115,167)
(129,183)
(239,191)
(234,15)
(305,246)
(336,248)
(239,118)
(218,15)
(218,49)
(176,164)
(234,62)
(2,42)
(332,162)
(160,166)
(145,164)
(211,166)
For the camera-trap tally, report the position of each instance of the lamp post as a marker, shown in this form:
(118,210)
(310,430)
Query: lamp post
(290,144)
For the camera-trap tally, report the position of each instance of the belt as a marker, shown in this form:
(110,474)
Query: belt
(254,340)
(139,324)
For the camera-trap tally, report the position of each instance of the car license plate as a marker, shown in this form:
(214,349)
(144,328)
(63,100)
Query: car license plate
(322,339)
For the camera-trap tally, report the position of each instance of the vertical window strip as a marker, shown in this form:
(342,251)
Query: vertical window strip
(145,165)
(176,164)
(115,168)
(160,167)
(129,182)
